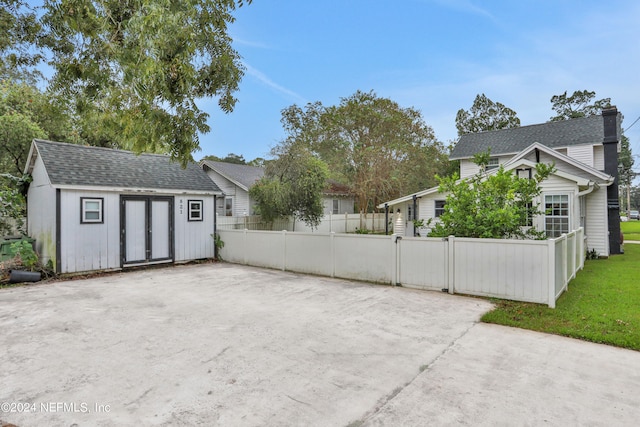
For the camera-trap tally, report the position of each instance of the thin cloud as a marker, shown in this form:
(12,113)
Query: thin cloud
(465,6)
(260,76)
(250,43)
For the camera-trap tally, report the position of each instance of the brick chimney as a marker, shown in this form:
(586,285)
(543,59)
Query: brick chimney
(611,140)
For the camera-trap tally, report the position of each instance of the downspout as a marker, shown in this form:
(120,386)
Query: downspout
(215,230)
(386,219)
(415,205)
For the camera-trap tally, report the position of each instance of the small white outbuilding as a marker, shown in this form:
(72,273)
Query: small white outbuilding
(93,209)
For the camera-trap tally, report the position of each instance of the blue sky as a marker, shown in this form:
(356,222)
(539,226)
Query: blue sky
(434,55)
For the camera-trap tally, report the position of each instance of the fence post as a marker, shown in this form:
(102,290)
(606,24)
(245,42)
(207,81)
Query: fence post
(565,249)
(284,250)
(332,246)
(551,269)
(244,246)
(451,267)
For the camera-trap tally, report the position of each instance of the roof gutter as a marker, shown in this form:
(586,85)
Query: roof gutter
(592,186)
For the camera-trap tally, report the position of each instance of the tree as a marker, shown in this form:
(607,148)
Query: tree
(582,104)
(12,204)
(134,70)
(579,104)
(230,158)
(378,148)
(27,113)
(20,31)
(497,205)
(485,115)
(292,185)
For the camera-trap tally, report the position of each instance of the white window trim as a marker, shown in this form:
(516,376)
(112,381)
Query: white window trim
(545,216)
(493,163)
(230,212)
(436,209)
(84,210)
(191,211)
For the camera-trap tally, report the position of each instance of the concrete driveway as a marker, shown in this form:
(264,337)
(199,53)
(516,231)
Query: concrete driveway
(220,344)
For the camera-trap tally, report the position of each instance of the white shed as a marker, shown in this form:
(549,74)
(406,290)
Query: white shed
(92,208)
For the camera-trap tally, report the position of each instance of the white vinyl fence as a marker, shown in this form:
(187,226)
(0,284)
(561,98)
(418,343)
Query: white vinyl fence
(338,223)
(522,270)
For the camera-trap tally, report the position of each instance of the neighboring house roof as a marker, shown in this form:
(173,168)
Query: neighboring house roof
(519,160)
(243,176)
(584,130)
(334,188)
(85,166)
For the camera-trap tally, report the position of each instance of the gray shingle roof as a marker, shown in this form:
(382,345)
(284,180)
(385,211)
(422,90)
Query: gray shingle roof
(244,175)
(78,165)
(585,130)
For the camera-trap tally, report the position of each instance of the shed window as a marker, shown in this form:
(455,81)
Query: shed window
(195,210)
(556,208)
(439,208)
(91,210)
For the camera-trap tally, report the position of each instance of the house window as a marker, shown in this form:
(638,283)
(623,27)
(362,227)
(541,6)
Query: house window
(523,173)
(493,163)
(228,206)
(439,208)
(195,210)
(529,213)
(556,208)
(336,206)
(91,210)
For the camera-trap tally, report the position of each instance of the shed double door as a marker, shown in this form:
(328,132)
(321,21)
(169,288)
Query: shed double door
(146,229)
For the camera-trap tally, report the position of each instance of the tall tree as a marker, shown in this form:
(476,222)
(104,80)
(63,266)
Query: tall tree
(485,115)
(292,185)
(134,70)
(378,148)
(20,32)
(580,104)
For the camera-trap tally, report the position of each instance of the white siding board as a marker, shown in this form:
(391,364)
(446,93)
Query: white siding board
(597,227)
(598,157)
(89,247)
(41,213)
(582,153)
(193,238)
(468,168)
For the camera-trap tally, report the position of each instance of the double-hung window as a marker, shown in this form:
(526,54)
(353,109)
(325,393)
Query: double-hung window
(556,208)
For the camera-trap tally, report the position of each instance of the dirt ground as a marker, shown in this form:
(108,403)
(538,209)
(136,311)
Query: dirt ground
(228,345)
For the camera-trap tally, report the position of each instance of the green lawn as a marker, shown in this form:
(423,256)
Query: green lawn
(631,229)
(602,304)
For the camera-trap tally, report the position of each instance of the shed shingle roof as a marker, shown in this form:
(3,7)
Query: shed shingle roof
(584,130)
(84,166)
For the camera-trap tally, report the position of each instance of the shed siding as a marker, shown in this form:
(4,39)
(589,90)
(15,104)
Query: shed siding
(193,238)
(89,247)
(41,213)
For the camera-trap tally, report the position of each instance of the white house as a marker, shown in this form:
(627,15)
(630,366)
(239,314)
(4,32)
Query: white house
(235,180)
(91,208)
(583,191)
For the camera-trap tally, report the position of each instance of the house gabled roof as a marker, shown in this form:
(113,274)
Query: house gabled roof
(599,175)
(584,130)
(71,165)
(244,176)
(519,160)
